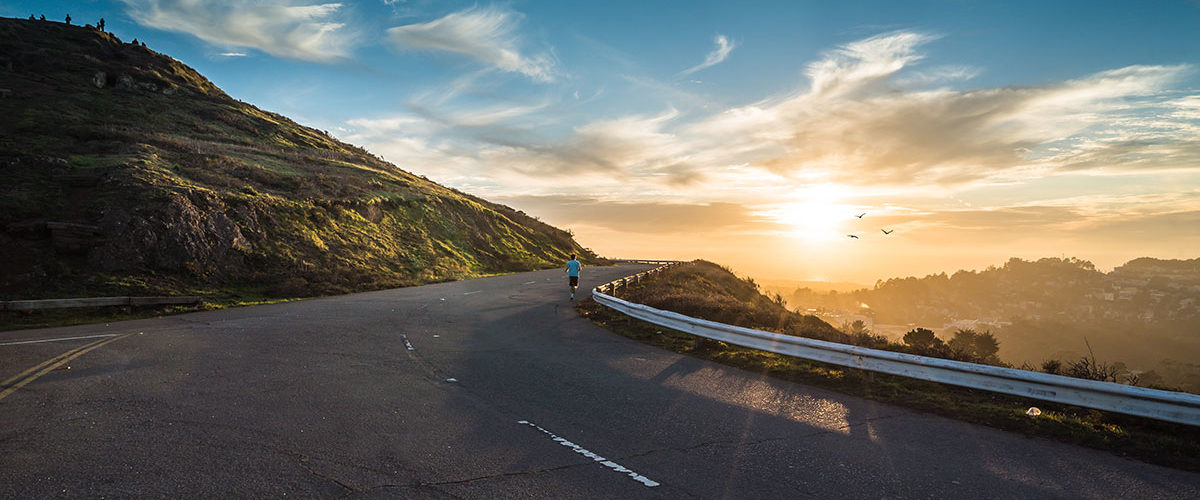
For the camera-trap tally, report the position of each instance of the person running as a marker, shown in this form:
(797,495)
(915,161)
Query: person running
(573,267)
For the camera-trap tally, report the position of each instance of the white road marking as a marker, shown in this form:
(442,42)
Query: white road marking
(407,344)
(436,336)
(603,461)
(452,380)
(59,339)
(529,282)
(469,293)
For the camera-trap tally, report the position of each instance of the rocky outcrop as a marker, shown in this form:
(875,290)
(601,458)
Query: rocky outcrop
(181,236)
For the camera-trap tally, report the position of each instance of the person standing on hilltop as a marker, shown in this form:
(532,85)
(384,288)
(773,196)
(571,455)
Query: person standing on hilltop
(573,267)
(68,19)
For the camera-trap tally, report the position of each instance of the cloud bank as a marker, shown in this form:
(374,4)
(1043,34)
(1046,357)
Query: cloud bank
(486,34)
(859,119)
(283,28)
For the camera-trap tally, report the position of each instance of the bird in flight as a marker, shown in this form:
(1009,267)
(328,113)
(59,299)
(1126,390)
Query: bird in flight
(885,231)
(852,236)
(861,215)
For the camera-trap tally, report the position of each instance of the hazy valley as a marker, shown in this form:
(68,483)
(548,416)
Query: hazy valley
(1144,314)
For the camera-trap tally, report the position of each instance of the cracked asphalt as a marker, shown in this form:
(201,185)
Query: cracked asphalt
(322,398)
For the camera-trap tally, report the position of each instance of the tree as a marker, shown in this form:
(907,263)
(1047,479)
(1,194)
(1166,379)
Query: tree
(921,338)
(981,347)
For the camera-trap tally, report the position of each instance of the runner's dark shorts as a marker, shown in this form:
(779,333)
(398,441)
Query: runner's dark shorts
(574,280)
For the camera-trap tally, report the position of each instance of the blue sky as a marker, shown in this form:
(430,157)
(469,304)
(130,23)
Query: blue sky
(748,133)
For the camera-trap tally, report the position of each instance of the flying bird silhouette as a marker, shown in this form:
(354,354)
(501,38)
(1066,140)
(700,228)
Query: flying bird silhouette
(852,236)
(885,231)
(861,215)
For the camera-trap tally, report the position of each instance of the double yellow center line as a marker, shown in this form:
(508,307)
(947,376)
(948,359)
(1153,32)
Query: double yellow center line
(21,379)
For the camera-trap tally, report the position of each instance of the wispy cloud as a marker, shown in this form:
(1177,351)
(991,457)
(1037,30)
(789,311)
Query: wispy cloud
(717,56)
(283,28)
(232,54)
(487,34)
(855,124)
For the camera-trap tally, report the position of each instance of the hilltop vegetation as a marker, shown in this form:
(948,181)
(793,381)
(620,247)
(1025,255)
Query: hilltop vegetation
(127,172)
(1143,317)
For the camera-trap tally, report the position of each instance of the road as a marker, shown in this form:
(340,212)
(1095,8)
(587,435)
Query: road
(486,388)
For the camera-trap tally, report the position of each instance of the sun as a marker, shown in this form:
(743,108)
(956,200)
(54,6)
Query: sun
(816,213)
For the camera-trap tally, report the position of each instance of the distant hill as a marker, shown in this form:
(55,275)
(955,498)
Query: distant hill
(1144,314)
(1068,289)
(787,287)
(127,172)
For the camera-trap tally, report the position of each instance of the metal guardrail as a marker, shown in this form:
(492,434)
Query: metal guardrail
(29,305)
(1178,407)
(644,261)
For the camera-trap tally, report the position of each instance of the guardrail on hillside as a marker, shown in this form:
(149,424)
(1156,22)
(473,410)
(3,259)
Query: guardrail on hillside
(644,261)
(1170,406)
(29,305)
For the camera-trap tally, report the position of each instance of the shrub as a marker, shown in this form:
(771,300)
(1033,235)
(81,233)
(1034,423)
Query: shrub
(921,338)
(972,345)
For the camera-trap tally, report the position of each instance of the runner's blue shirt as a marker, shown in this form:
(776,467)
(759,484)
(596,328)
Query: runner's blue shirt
(573,268)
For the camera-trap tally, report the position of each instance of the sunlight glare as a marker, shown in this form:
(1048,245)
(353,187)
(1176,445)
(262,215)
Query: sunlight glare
(817,214)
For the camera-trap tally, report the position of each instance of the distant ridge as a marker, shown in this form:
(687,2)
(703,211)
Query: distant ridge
(126,172)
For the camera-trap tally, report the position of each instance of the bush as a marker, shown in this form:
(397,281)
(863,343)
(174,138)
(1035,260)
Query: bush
(1089,368)
(921,338)
(972,345)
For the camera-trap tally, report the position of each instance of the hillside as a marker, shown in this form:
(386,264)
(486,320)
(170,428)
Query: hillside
(706,290)
(127,172)
(1144,314)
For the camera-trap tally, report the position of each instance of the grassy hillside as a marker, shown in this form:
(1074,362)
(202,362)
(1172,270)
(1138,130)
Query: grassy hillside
(126,172)
(706,290)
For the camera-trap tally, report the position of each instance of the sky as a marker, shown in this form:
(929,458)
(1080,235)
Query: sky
(778,138)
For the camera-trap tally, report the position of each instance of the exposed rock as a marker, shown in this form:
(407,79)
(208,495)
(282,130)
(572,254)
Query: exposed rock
(179,236)
(100,79)
(125,82)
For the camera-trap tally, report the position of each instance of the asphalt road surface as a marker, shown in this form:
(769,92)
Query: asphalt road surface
(487,388)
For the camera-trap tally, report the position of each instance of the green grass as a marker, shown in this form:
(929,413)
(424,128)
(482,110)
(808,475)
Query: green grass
(174,174)
(1163,443)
